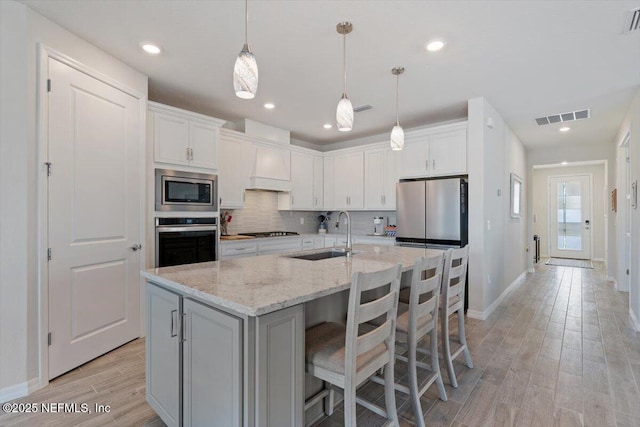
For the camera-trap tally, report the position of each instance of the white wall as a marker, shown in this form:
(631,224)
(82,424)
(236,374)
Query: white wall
(23,29)
(630,125)
(540,205)
(498,243)
(553,155)
(14,268)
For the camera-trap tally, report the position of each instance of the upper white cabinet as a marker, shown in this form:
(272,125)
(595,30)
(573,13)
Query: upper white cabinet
(184,138)
(348,186)
(235,168)
(328,180)
(434,152)
(380,179)
(306,183)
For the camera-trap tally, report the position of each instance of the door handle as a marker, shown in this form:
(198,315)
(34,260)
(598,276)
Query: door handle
(174,323)
(587,224)
(136,247)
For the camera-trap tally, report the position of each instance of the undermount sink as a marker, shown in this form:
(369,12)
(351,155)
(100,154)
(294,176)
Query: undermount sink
(321,255)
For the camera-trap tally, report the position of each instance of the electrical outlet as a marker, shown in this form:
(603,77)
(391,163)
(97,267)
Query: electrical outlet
(302,221)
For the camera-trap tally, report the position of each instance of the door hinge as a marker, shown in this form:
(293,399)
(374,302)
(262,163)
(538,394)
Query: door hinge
(49,254)
(48,85)
(627,271)
(49,338)
(48,164)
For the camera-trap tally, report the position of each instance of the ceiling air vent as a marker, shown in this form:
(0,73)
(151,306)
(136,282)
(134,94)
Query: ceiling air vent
(632,22)
(362,108)
(563,117)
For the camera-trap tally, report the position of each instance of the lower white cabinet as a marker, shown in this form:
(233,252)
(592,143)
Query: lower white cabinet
(238,249)
(208,367)
(280,245)
(212,367)
(193,361)
(163,358)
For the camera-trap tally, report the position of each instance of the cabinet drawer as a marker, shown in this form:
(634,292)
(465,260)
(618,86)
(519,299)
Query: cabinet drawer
(231,250)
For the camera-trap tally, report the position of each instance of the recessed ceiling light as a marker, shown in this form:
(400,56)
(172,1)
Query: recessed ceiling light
(564,163)
(565,129)
(150,48)
(435,45)
(328,126)
(269,106)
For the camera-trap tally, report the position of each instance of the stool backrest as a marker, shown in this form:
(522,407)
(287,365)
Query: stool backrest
(455,275)
(358,313)
(427,279)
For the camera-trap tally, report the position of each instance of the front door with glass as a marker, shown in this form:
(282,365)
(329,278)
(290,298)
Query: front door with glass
(570,216)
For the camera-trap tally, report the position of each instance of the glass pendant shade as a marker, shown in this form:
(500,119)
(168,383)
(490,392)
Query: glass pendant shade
(344,114)
(245,74)
(397,138)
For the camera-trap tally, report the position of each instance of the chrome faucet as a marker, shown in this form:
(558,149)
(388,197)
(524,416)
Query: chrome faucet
(349,248)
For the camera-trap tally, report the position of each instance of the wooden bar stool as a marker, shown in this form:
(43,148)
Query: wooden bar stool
(420,318)
(345,358)
(453,295)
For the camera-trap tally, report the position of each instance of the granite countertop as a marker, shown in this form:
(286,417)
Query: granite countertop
(254,286)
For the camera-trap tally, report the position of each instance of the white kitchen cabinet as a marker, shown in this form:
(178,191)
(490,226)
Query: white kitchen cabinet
(301,196)
(212,367)
(338,241)
(184,138)
(163,353)
(279,245)
(318,182)
(348,187)
(380,179)
(235,167)
(434,153)
(328,180)
(238,249)
(312,242)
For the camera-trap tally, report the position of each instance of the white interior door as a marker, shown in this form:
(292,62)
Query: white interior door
(570,216)
(93,217)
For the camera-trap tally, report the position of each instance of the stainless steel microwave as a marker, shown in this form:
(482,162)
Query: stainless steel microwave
(186,191)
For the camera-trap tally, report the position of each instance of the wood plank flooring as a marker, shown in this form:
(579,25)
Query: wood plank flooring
(559,351)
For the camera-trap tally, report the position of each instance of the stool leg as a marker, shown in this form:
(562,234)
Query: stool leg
(463,338)
(329,402)
(413,381)
(349,407)
(446,347)
(390,394)
(435,363)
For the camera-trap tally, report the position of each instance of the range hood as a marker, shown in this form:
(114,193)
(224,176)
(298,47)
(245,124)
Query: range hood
(271,168)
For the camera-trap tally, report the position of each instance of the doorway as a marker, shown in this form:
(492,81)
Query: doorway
(92,148)
(570,216)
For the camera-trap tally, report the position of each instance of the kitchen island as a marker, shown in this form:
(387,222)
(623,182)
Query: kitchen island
(225,339)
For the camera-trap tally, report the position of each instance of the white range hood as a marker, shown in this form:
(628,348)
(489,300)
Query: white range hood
(271,155)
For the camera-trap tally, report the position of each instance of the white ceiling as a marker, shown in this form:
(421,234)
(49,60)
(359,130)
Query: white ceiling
(527,58)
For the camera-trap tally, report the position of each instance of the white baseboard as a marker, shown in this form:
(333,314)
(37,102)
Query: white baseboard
(19,390)
(634,319)
(483,315)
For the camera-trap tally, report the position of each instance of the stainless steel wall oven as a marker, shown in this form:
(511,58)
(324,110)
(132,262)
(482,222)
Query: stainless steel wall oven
(186,240)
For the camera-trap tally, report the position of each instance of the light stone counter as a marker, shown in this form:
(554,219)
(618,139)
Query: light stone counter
(255,286)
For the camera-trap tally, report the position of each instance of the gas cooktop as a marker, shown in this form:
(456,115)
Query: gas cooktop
(270,234)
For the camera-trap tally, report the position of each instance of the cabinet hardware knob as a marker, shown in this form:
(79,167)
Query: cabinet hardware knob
(136,247)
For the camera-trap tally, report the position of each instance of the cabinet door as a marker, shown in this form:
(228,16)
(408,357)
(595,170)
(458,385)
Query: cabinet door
(374,179)
(318,182)
(448,153)
(233,172)
(203,141)
(163,353)
(414,158)
(328,180)
(302,167)
(348,189)
(212,367)
(170,139)
(391,165)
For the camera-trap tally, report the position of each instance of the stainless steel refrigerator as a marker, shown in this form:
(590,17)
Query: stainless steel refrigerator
(432,212)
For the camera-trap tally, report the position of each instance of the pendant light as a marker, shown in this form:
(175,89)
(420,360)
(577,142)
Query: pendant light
(397,134)
(344,112)
(245,70)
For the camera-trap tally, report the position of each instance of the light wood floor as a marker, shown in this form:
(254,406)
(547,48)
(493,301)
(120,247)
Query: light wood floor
(558,351)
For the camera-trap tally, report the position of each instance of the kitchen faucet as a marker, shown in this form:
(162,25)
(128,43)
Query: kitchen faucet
(348,249)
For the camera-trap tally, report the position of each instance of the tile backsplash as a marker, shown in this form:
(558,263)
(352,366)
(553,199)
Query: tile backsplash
(261,214)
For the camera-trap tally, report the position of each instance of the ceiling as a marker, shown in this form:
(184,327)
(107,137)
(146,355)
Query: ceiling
(527,58)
